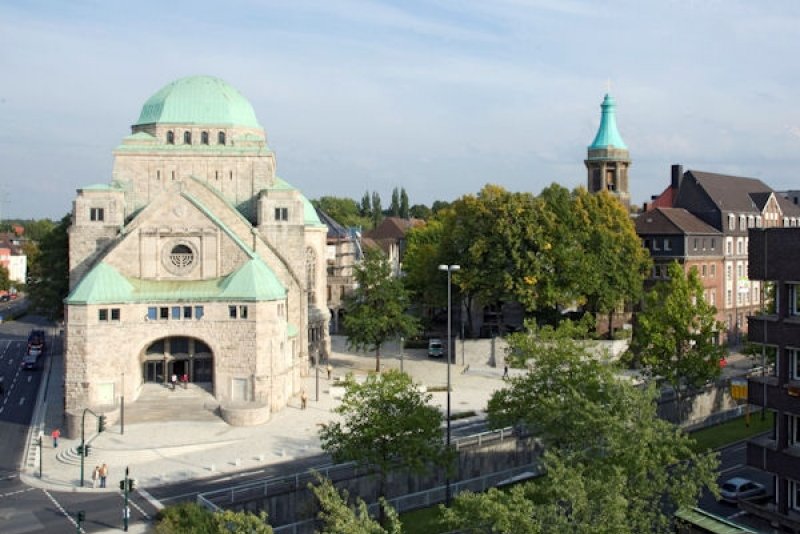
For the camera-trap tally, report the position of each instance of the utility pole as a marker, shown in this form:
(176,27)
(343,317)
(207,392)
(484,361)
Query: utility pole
(126,511)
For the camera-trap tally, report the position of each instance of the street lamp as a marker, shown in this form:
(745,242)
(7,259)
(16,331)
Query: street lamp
(449,269)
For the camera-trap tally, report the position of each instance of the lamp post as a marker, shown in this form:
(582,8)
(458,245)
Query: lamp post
(449,269)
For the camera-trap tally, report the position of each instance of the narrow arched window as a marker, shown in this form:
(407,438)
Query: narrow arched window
(170,137)
(187,138)
(204,138)
(311,270)
(221,138)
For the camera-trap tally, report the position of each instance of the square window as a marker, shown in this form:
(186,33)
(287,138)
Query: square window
(96,214)
(198,312)
(102,314)
(281,214)
(232,312)
(242,312)
(115,314)
(163,313)
(176,312)
(152,313)
(187,312)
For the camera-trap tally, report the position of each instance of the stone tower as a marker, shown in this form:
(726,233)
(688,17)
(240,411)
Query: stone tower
(608,159)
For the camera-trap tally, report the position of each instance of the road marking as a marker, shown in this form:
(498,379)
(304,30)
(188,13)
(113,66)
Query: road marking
(155,503)
(22,401)
(12,493)
(61,509)
(732,468)
(132,503)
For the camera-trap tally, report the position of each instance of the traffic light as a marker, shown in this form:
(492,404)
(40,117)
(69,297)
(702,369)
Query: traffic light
(131,484)
(122,485)
(84,450)
(81,516)
(101,423)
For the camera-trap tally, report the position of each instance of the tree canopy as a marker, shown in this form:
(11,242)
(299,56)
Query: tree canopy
(387,423)
(675,336)
(376,308)
(338,516)
(612,465)
(48,271)
(345,211)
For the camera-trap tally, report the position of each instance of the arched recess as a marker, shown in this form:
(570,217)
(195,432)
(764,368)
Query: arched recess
(179,355)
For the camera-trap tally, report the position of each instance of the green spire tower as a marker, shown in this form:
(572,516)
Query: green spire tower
(608,159)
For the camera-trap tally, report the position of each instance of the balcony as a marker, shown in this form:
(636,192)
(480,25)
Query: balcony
(762,454)
(772,330)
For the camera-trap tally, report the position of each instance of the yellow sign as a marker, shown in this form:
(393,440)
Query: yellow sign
(739,389)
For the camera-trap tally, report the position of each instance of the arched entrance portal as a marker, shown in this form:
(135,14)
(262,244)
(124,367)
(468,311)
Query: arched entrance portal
(178,355)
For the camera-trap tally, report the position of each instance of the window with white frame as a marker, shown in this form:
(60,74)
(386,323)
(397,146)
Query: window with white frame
(742,222)
(728,298)
(758,221)
(731,221)
(750,221)
(713,270)
(729,246)
(728,272)
(667,244)
(794,431)
(794,494)
(740,246)
(655,244)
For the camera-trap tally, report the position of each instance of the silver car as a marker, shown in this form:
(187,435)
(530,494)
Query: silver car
(734,489)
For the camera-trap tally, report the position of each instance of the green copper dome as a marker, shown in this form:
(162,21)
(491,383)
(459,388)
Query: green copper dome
(607,134)
(198,100)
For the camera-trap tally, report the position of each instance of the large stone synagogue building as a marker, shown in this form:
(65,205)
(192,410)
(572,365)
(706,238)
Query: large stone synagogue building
(195,260)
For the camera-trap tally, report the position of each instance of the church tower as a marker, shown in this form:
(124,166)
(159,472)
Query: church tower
(608,159)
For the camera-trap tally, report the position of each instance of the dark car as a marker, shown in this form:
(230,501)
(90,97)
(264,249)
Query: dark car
(36,339)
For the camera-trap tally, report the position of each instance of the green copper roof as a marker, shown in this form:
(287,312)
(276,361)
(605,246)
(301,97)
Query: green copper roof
(198,100)
(607,134)
(253,281)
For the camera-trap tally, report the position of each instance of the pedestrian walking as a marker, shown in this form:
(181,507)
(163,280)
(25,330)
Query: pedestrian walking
(95,476)
(505,371)
(55,434)
(303,400)
(185,380)
(173,380)
(103,475)
(330,370)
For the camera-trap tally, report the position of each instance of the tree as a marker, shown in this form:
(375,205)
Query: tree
(187,518)
(675,337)
(404,211)
(337,516)
(365,208)
(376,308)
(394,209)
(49,271)
(421,262)
(345,211)
(386,423)
(5,282)
(604,440)
(420,211)
(377,211)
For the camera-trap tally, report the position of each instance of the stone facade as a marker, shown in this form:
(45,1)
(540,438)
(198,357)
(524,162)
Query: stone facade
(196,259)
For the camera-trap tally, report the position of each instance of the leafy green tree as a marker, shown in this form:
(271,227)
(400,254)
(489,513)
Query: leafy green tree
(35,230)
(5,281)
(394,208)
(675,336)
(421,262)
(404,211)
(439,205)
(420,211)
(365,208)
(599,430)
(338,516)
(376,308)
(188,518)
(49,271)
(345,211)
(377,211)
(386,423)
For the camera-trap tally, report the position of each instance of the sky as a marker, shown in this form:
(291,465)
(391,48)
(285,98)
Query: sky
(439,97)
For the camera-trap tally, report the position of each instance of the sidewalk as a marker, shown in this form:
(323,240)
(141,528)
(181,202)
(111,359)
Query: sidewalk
(161,453)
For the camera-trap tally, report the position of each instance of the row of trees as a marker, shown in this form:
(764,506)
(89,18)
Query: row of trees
(548,252)
(368,213)
(611,465)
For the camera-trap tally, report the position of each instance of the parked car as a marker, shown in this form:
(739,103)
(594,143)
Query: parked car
(36,339)
(435,348)
(734,489)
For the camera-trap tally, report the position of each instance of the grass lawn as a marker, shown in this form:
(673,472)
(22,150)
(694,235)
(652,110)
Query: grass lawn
(734,430)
